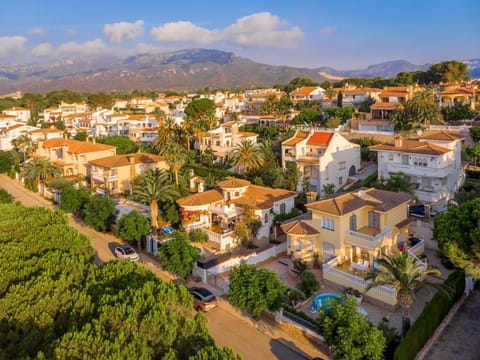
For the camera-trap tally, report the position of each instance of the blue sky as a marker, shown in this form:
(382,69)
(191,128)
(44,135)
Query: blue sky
(346,34)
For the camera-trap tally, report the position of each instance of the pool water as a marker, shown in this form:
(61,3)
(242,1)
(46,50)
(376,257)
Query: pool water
(323,300)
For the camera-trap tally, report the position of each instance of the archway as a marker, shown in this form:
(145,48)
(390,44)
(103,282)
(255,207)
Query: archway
(352,171)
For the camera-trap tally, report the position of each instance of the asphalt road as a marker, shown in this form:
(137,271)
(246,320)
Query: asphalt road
(226,328)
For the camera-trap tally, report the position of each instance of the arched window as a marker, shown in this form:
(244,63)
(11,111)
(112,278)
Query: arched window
(298,246)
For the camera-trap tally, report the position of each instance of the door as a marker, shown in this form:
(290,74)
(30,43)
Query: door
(373,220)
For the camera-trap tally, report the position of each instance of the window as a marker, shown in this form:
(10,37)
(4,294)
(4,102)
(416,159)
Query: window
(283,208)
(328,223)
(390,156)
(342,165)
(353,223)
(405,159)
(265,218)
(310,245)
(420,161)
(340,180)
(373,220)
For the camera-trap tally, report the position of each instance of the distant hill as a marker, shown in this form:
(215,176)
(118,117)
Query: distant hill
(391,69)
(178,70)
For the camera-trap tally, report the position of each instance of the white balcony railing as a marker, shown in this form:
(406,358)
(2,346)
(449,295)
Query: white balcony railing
(101,177)
(371,239)
(218,238)
(412,170)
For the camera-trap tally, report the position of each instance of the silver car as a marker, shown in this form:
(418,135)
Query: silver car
(126,252)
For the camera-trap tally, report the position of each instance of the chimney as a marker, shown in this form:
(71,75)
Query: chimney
(200,185)
(193,184)
(398,141)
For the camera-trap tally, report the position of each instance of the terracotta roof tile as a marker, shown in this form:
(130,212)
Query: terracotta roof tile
(299,136)
(202,198)
(263,197)
(382,105)
(442,135)
(413,146)
(343,204)
(123,160)
(404,223)
(304,90)
(298,228)
(320,138)
(233,183)
(75,146)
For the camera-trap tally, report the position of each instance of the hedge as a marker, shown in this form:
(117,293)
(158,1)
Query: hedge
(205,171)
(431,317)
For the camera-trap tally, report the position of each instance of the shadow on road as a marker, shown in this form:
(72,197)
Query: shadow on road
(287,350)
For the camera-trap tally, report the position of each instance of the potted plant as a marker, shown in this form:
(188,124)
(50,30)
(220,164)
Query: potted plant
(353,293)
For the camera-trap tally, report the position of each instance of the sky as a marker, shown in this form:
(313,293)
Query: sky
(346,34)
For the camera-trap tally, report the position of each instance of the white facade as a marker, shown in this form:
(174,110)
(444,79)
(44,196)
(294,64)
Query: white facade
(323,157)
(433,166)
(21,114)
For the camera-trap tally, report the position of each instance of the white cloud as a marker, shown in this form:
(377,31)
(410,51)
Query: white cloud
(328,30)
(37,31)
(94,47)
(43,49)
(121,31)
(185,31)
(11,45)
(259,29)
(144,48)
(263,29)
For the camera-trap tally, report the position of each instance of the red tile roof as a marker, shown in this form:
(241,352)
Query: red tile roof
(320,138)
(382,105)
(298,228)
(75,146)
(124,160)
(413,146)
(304,90)
(299,136)
(202,198)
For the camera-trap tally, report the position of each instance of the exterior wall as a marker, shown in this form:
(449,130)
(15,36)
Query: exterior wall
(21,115)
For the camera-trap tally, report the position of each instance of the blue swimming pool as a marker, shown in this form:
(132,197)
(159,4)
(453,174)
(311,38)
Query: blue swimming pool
(322,300)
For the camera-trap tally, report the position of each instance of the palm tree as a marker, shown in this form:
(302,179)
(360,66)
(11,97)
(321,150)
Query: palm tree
(164,137)
(152,187)
(41,171)
(23,142)
(247,156)
(405,274)
(175,157)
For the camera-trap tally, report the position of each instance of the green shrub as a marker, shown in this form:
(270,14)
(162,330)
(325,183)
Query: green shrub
(431,316)
(198,235)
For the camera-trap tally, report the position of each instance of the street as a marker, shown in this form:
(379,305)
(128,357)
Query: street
(227,328)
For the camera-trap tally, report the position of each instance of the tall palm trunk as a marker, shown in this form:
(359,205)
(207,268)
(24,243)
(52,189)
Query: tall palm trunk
(154,215)
(405,301)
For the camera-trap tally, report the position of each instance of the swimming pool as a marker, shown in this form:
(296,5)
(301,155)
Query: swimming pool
(322,300)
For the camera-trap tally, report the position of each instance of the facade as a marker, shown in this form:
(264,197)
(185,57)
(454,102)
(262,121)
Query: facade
(217,211)
(21,114)
(12,132)
(433,163)
(72,155)
(349,232)
(116,174)
(223,139)
(312,93)
(451,93)
(323,157)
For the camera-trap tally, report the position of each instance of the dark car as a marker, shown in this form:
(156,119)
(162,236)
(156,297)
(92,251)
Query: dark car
(203,299)
(416,210)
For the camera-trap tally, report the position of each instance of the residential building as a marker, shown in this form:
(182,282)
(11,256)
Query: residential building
(223,139)
(12,132)
(21,114)
(115,174)
(311,93)
(72,155)
(432,162)
(350,232)
(323,157)
(217,211)
(354,96)
(463,93)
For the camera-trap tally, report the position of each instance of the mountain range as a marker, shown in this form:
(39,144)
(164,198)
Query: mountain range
(178,70)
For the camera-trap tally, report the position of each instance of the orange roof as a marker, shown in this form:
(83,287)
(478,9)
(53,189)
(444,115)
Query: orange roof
(262,197)
(298,228)
(61,163)
(320,138)
(7,116)
(233,183)
(75,146)
(413,146)
(45,131)
(381,105)
(16,108)
(124,160)
(15,126)
(202,198)
(442,135)
(299,136)
(380,200)
(304,90)
(308,161)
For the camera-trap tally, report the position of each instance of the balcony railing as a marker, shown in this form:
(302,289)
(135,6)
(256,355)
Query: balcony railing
(218,238)
(370,240)
(101,177)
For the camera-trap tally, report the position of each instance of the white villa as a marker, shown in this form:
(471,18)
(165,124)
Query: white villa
(433,163)
(216,211)
(325,157)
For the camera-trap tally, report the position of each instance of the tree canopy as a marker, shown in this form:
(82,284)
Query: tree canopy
(348,333)
(100,212)
(55,303)
(124,144)
(132,227)
(457,231)
(178,255)
(255,290)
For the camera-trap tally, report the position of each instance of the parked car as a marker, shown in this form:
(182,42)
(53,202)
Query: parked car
(126,252)
(203,299)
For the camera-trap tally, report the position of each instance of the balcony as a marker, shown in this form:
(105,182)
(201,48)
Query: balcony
(412,170)
(100,177)
(227,211)
(367,237)
(224,239)
(431,195)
